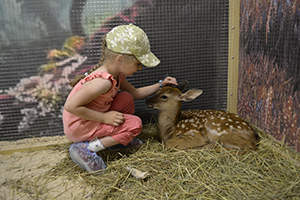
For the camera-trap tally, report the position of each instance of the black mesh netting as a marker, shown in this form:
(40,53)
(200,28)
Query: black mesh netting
(45,43)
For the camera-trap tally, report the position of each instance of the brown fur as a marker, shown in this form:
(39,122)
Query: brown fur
(199,129)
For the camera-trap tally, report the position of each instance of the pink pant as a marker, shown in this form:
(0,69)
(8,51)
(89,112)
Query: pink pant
(123,102)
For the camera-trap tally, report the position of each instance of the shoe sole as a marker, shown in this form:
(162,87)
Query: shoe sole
(80,162)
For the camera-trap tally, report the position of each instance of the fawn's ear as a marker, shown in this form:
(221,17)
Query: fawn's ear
(190,95)
(181,85)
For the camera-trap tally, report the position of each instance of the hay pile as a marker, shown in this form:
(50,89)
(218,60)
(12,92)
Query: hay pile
(273,172)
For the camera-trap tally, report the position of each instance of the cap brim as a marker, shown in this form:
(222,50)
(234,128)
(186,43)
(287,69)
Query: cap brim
(149,60)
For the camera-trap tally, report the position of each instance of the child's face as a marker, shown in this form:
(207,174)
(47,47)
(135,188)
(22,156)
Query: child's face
(130,66)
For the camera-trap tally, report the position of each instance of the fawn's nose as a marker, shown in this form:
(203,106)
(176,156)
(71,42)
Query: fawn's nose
(149,104)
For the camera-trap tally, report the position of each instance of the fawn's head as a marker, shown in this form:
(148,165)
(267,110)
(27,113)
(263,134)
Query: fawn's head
(169,97)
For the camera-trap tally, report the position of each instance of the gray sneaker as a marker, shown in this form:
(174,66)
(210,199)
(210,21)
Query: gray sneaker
(85,158)
(135,142)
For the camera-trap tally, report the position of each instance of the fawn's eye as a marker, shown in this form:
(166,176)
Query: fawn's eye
(164,97)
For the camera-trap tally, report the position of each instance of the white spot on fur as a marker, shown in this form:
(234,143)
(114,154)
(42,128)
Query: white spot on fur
(191,132)
(178,133)
(239,127)
(230,120)
(191,120)
(216,132)
(194,125)
(222,118)
(183,126)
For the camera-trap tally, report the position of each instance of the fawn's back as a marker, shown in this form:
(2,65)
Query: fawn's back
(204,128)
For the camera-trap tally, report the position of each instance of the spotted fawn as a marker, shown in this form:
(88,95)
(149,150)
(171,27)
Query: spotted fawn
(199,129)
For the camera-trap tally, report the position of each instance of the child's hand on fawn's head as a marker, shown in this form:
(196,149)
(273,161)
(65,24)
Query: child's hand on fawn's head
(114,118)
(169,81)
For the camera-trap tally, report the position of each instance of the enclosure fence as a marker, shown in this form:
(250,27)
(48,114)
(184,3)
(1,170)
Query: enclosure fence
(45,43)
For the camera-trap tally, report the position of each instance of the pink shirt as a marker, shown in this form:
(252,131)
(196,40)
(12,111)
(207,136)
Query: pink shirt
(78,129)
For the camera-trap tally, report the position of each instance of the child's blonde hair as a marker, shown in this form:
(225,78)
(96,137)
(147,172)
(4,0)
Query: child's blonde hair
(127,40)
(105,54)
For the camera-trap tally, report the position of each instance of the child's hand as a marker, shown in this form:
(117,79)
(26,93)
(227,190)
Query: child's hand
(114,118)
(169,81)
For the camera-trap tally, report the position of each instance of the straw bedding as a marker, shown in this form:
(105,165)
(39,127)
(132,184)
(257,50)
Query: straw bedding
(273,172)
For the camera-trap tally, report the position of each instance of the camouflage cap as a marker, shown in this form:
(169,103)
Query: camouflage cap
(132,40)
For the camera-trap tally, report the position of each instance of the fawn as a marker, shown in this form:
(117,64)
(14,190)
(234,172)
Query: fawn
(199,129)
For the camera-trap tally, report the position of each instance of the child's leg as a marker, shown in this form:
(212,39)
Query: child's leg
(123,102)
(124,134)
(83,153)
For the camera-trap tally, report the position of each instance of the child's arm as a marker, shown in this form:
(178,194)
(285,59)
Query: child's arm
(91,90)
(143,92)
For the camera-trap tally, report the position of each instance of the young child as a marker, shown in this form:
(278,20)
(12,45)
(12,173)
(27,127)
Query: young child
(98,112)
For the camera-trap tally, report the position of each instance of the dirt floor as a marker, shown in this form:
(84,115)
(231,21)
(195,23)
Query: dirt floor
(27,160)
